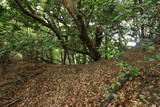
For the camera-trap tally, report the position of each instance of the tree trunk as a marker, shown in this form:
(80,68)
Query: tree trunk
(78,19)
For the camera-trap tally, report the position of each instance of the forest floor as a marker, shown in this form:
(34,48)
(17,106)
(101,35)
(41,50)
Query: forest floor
(46,85)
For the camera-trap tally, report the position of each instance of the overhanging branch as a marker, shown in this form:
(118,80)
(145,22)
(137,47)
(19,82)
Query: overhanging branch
(40,20)
(48,24)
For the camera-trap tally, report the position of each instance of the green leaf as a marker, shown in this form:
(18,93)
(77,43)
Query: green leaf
(122,75)
(133,71)
(115,85)
(111,96)
(122,64)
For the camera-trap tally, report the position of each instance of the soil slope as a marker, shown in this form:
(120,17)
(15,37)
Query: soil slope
(45,85)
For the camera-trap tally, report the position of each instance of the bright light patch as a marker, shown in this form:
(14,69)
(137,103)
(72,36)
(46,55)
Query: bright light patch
(131,44)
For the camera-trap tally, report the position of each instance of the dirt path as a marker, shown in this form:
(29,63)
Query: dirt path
(82,85)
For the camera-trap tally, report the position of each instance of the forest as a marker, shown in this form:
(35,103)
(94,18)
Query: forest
(79,53)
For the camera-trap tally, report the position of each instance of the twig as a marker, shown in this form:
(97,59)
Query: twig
(10,102)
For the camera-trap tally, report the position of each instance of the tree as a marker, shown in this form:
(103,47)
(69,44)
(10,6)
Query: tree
(75,32)
(49,20)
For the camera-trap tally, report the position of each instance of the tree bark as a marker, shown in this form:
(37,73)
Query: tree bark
(79,21)
(48,24)
(98,36)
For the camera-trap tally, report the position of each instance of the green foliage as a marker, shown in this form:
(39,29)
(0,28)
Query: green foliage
(154,57)
(149,47)
(119,18)
(122,75)
(115,85)
(111,96)
(133,71)
(157,56)
(112,51)
(3,52)
(122,64)
(130,73)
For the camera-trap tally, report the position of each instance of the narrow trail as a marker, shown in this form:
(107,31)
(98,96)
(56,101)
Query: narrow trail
(81,85)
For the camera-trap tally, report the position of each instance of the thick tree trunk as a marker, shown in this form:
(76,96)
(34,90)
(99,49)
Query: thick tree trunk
(82,29)
(93,53)
(48,24)
(84,37)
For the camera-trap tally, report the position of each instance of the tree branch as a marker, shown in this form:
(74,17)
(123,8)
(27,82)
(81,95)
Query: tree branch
(29,7)
(48,24)
(60,20)
(40,20)
(78,51)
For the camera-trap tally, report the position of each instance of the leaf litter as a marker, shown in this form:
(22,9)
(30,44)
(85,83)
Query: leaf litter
(81,85)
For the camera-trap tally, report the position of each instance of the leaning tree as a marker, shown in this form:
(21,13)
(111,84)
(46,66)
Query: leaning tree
(69,14)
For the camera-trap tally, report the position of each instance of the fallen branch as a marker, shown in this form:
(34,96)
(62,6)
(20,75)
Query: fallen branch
(10,102)
(107,101)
